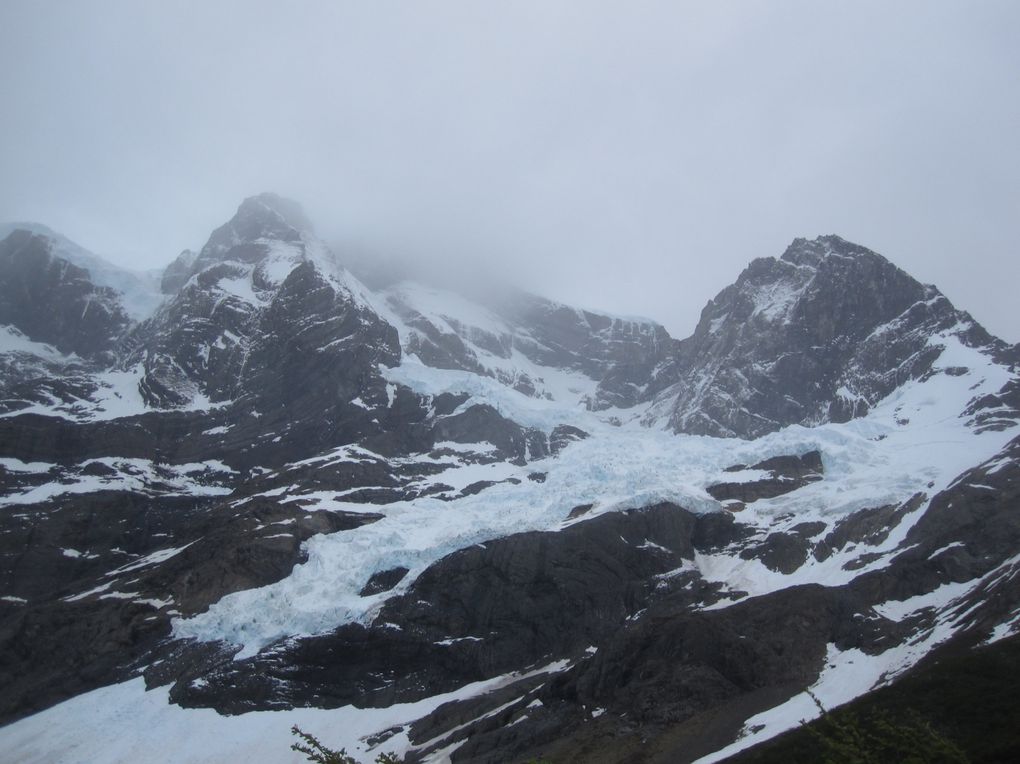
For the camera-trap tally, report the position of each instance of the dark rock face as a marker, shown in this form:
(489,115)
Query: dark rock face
(54,302)
(669,668)
(478,613)
(383,581)
(624,355)
(259,318)
(563,435)
(787,473)
(314,336)
(102,575)
(27,379)
(820,334)
(482,423)
(868,525)
(967,694)
(547,593)
(782,552)
(675,684)
(178,272)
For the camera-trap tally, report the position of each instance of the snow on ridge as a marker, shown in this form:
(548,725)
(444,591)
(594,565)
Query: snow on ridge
(441,306)
(617,319)
(525,410)
(139,290)
(241,287)
(278,261)
(868,462)
(848,674)
(477,327)
(504,349)
(774,301)
(116,396)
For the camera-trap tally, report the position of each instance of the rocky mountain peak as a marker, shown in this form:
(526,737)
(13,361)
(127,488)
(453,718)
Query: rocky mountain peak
(178,272)
(819,334)
(812,252)
(259,219)
(53,301)
(268,206)
(262,277)
(827,282)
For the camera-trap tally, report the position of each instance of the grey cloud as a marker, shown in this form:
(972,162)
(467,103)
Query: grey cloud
(627,156)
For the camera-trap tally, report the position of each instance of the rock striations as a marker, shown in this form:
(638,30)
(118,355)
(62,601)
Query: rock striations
(818,335)
(482,529)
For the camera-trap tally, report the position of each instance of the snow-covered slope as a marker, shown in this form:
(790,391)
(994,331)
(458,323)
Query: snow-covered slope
(538,347)
(499,526)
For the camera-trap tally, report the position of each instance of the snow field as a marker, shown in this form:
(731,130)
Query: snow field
(93,727)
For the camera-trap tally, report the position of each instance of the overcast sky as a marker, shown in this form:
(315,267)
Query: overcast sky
(630,156)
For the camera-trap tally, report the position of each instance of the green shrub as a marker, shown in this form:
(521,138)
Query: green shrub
(316,752)
(881,738)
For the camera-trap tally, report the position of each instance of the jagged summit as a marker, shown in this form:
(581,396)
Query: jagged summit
(178,272)
(259,220)
(804,251)
(286,209)
(260,225)
(261,276)
(63,247)
(819,334)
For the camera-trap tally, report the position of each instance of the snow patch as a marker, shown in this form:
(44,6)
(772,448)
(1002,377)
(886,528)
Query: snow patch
(103,725)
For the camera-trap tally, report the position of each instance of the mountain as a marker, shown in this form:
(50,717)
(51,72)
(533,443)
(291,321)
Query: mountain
(55,302)
(483,526)
(139,290)
(819,335)
(535,346)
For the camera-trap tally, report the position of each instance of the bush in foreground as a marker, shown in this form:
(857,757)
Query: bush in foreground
(320,754)
(880,737)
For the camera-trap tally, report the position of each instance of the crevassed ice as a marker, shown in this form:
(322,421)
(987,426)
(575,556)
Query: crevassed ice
(868,462)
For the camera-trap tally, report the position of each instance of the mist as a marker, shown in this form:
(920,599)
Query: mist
(631,157)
